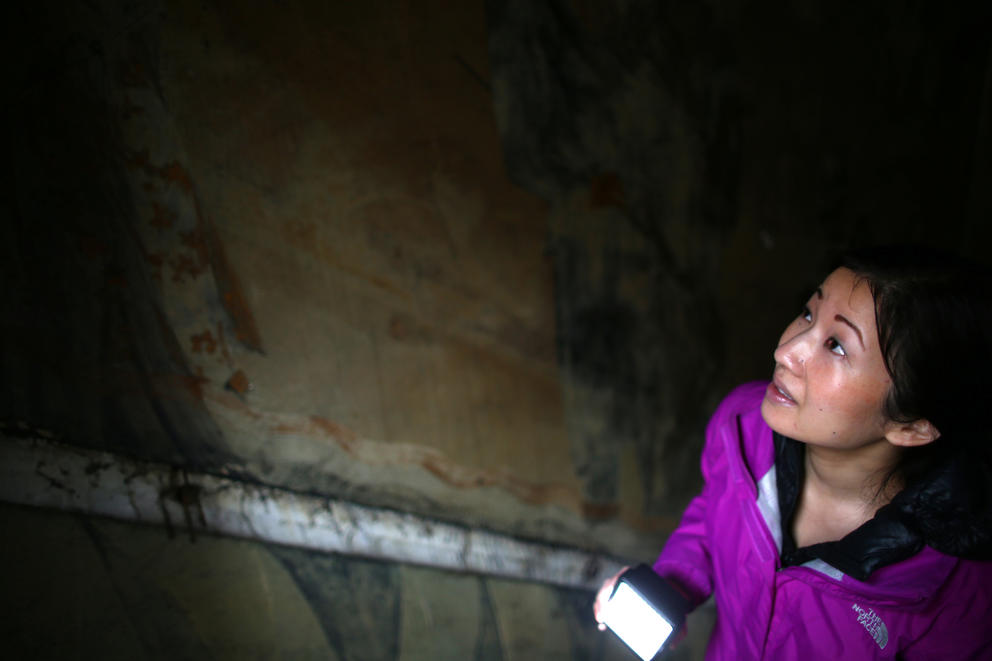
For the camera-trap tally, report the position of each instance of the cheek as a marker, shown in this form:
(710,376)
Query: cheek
(862,403)
(831,392)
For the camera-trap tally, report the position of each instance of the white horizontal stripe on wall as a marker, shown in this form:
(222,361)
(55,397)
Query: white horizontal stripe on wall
(41,473)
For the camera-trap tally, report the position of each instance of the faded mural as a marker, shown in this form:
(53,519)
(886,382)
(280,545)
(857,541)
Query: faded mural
(270,270)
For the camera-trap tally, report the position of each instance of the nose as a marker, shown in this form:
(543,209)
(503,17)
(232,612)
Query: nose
(793,351)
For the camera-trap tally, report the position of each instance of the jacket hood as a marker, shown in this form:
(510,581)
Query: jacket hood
(951,508)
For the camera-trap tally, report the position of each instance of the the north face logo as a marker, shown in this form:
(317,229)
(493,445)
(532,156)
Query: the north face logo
(873,625)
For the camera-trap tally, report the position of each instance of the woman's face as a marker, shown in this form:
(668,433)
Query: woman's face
(830,380)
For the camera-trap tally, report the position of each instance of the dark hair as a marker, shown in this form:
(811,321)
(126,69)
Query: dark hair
(934,318)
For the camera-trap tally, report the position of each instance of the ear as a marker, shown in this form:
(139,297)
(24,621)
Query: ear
(911,434)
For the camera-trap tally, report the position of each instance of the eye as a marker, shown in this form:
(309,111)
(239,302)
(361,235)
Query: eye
(835,347)
(806,314)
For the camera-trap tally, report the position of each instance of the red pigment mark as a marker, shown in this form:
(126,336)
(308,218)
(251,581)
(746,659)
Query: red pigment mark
(460,477)
(204,342)
(185,265)
(606,190)
(171,173)
(195,383)
(192,265)
(239,382)
(162,217)
(244,322)
(175,173)
(209,252)
(334,429)
(344,437)
(195,242)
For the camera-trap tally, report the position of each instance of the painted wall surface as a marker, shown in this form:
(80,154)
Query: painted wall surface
(279,240)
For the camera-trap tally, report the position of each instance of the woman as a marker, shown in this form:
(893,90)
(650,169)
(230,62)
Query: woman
(846,505)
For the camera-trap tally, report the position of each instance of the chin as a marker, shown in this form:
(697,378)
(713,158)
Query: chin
(768,414)
(773,417)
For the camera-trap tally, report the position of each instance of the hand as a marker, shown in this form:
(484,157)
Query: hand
(603,596)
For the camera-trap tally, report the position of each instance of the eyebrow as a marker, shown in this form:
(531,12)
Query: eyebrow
(843,319)
(853,327)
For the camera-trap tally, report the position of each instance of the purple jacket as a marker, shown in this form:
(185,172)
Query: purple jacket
(930,605)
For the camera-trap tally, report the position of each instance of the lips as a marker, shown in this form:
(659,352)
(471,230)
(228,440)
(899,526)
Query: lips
(777,392)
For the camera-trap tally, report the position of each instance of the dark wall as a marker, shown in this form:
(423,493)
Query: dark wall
(699,161)
(490,262)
